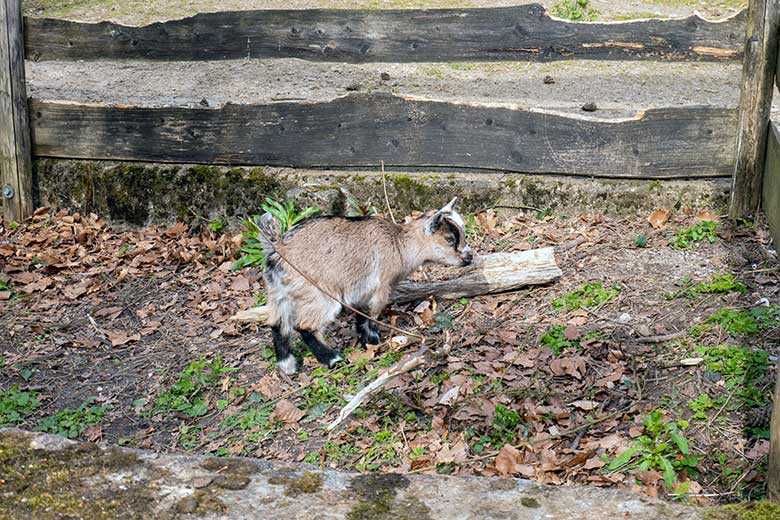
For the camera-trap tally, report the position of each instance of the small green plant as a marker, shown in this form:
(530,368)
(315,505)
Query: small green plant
(15,404)
(662,447)
(702,404)
(261,298)
(355,208)
(557,340)
(590,295)
(687,237)
(750,321)
(502,431)
(442,321)
(5,286)
(186,394)
(541,215)
(216,226)
(640,241)
(743,369)
(287,215)
(472,228)
(575,10)
(72,422)
(717,284)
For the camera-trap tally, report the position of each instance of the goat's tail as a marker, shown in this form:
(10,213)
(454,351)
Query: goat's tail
(269,233)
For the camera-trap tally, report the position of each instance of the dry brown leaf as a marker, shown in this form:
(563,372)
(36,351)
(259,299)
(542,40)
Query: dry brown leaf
(118,337)
(286,412)
(571,332)
(111,312)
(658,218)
(706,215)
(508,459)
(594,463)
(5,295)
(584,404)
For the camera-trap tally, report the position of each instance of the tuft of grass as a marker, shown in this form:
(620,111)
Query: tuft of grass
(590,295)
(687,237)
(661,447)
(15,404)
(71,422)
(186,394)
(575,10)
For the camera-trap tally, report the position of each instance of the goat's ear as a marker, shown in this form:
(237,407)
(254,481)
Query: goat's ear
(433,223)
(450,206)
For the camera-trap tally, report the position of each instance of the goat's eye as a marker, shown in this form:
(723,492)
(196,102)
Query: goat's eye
(451,240)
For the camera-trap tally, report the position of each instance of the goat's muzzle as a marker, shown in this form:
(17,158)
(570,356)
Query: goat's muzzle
(467,257)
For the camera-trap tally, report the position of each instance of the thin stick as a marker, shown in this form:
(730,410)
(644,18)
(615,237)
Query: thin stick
(410,363)
(387,200)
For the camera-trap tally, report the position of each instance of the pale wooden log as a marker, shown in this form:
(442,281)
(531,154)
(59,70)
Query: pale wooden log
(493,273)
(15,158)
(755,101)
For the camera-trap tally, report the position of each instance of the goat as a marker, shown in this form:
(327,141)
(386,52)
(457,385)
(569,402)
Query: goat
(355,259)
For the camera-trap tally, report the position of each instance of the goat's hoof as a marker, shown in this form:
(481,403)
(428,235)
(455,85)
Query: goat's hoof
(288,365)
(335,360)
(370,338)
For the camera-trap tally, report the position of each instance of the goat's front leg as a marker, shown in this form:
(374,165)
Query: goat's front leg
(368,330)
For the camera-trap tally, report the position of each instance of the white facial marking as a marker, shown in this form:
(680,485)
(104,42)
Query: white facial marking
(288,365)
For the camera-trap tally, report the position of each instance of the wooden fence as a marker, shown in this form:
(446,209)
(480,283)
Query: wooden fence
(360,130)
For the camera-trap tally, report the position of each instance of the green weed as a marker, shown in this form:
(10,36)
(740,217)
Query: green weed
(640,241)
(261,298)
(701,404)
(590,295)
(72,422)
(502,431)
(687,237)
(216,226)
(360,209)
(662,447)
(6,286)
(575,10)
(743,370)
(750,321)
(287,215)
(15,404)
(717,284)
(442,321)
(557,341)
(186,394)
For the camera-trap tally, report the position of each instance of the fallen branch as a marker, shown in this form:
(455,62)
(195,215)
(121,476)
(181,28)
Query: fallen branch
(405,365)
(493,273)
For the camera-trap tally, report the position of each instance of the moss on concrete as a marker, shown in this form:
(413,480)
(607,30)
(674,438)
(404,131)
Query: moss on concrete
(378,500)
(761,510)
(309,482)
(45,484)
(140,194)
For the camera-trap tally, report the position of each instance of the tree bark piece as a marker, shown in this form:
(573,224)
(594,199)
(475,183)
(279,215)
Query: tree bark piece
(773,463)
(770,201)
(361,130)
(524,32)
(493,273)
(755,101)
(15,159)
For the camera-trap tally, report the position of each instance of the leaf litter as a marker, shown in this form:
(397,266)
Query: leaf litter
(95,312)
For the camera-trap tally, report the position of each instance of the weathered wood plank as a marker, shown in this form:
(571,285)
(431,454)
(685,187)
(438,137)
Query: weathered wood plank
(364,129)
(755,102)
(770,202)
(489,34)
(15,159)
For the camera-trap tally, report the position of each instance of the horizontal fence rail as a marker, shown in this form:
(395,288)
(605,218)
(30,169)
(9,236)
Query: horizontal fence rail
(360,130)
(489,34)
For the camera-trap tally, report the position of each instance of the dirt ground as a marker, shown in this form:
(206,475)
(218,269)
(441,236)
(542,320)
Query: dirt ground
(124,337)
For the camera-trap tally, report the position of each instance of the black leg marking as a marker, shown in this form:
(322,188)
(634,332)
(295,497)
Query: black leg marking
(321,351)
(368,331)
(284,358)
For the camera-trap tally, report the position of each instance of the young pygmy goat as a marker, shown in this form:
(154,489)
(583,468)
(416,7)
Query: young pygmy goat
(357,260)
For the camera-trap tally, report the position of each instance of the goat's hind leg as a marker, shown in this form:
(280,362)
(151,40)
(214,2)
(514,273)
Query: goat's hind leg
(368,331)
(284,357)
(321,351)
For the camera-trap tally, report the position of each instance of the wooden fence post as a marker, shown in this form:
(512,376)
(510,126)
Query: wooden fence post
(755,100)
(15,158)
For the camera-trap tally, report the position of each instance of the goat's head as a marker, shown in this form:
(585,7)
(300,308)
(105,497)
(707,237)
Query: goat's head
(444,237)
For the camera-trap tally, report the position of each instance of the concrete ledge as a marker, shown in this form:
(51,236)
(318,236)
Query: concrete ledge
(143,193)
(45,476)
